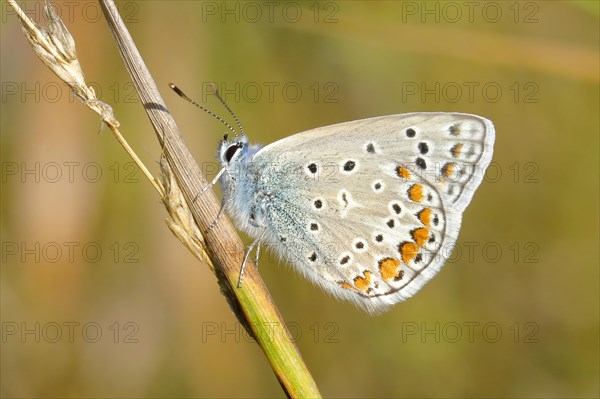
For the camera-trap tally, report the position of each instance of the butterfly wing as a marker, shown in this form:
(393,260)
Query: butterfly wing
(370,209)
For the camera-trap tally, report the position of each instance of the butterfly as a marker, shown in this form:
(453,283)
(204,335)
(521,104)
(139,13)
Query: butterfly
(367,210)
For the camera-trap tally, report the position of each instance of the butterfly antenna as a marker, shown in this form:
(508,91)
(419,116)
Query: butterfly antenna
(216,92)
(186,98)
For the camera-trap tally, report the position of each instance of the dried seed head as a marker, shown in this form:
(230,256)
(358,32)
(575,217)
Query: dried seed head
(55,46)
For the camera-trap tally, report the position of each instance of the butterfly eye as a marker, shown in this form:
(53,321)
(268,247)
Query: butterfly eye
(231,151)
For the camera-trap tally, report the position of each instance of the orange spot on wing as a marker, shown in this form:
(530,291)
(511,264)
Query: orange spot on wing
(362,283)
(456,150)
(402,172)
(408,251)
(448,169)
(455,129)
(420,235)
(389,269)
(425,216)
(415,192)
(347,286)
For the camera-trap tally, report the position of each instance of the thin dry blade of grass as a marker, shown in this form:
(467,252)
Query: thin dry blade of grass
(181,180)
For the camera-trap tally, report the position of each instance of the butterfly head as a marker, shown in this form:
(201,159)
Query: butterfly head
(235,156)
(232,151)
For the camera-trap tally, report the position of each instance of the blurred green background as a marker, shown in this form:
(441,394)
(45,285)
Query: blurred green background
(98,299)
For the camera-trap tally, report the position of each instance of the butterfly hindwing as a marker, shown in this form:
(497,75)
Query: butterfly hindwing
(369,210)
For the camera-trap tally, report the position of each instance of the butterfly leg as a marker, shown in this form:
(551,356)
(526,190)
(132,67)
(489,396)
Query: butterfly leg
(209,185)
(214,222)
(245,261)
(255,243)
(256,256)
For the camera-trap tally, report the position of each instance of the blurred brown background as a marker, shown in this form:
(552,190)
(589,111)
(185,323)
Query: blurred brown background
(98,299)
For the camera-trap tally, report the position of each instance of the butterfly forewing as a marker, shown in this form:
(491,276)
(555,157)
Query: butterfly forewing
(369,210)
